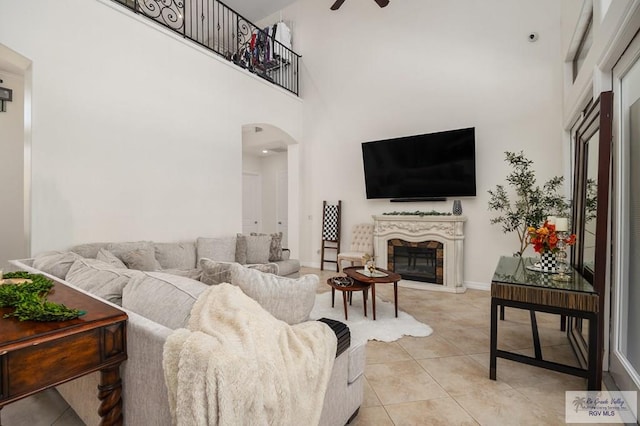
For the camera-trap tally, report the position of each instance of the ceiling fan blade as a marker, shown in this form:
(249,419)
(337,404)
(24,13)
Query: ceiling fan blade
(337,5)
(382,3)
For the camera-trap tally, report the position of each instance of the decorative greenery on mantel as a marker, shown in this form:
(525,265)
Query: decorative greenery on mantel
(30,299)
(418,213)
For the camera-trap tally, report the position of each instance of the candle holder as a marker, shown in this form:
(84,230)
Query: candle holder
(563,266)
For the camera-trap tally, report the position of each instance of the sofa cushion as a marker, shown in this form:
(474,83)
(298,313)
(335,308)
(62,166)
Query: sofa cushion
(289,300)
(176,255)
(193,273)
(108,257)
(55,263)
(100,278)
(90,251)
(222,249)
(164,298)
(142,259)
(288,267)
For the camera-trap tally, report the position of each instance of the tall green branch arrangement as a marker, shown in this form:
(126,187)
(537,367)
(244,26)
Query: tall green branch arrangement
(526,203)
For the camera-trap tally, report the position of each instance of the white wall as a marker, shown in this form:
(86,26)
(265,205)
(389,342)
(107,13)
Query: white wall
(12,227)
(421,66)
(136,134)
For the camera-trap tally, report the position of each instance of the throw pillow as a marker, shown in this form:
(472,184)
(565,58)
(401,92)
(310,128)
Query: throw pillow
(164,298)
(141,259)
(55,263)
(222,249)
(108,257)
(267,268)
(89,251)
(214,272)
(275,249)
(241,249)
(100,278)
(289,300)
(176,255)
(258,248)
(119,249)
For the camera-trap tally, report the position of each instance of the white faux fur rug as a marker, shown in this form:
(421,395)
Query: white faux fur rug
(386,327)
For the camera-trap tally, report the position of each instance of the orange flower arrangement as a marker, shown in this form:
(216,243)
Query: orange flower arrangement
(546,238)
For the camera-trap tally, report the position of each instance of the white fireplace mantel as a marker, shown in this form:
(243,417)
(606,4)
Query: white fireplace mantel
(448,230)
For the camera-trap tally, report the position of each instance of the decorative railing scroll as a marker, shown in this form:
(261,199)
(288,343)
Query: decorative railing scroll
(217,27)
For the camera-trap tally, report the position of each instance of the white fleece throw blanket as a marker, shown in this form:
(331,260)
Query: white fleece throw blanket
(238,365)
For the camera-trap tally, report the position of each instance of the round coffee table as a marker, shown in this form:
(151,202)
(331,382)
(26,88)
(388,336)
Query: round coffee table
(389,277)
(354,286)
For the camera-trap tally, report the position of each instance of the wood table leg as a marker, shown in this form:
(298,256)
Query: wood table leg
(395,296)
(110,395)
(333,296)
(344,302)
(364,299)
(373,299)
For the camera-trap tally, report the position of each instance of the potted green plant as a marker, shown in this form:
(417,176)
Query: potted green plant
(526,204)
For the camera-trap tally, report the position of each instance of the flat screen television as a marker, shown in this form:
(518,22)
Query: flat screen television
(422,167)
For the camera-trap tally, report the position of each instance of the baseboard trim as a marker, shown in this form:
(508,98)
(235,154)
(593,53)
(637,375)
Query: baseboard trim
(474,285)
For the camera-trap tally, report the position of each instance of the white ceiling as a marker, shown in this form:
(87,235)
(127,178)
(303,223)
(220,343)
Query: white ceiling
(255,10)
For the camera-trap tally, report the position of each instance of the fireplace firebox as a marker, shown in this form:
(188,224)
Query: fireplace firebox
(417,261)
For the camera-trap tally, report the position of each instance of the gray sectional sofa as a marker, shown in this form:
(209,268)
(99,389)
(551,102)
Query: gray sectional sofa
(182,258)
(158,302)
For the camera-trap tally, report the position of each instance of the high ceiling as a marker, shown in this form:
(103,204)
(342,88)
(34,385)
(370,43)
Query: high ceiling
(255,10)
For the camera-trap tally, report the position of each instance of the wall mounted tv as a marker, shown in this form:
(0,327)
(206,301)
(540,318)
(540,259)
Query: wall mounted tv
(425,167)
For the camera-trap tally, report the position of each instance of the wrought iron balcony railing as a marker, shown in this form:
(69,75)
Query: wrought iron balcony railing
(216,27)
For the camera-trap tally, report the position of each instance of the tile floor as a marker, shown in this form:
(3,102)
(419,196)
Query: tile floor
(442,379)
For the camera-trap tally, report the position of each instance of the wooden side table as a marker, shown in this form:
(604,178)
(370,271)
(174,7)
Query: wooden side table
(356,286)
(35,356)
(390,277)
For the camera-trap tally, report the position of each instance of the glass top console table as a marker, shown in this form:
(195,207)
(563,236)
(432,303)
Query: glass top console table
(515,285)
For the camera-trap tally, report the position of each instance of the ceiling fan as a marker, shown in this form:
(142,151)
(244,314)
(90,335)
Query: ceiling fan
(338,3)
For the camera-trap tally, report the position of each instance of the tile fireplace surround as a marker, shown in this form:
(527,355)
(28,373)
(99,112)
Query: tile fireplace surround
(448,230)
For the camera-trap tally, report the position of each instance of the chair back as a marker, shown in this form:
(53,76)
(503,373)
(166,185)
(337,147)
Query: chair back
(362,238)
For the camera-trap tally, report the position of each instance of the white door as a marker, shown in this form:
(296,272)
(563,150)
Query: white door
(251,203)
(282,205)
(624,351)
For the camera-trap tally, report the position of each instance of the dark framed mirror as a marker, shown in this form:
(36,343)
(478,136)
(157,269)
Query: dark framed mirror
(592,138)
